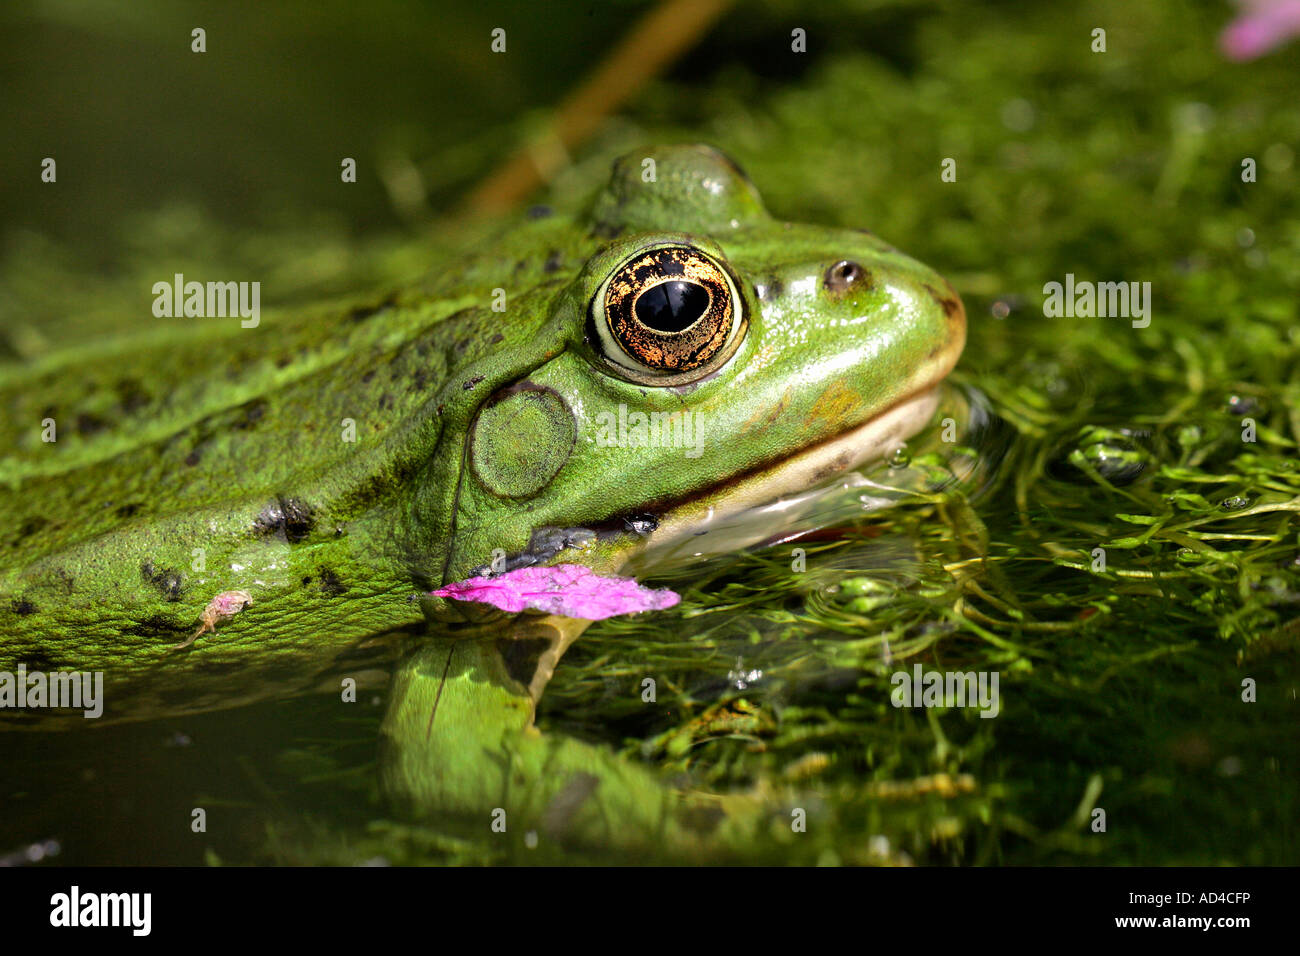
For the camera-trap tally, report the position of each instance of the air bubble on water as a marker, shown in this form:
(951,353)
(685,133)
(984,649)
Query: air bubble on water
(1245,237)
(530,839)
(740,678)
(1235,503)
(901,458)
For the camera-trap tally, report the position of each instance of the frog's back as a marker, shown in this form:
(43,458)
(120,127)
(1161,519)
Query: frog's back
(190,419)
(146,474)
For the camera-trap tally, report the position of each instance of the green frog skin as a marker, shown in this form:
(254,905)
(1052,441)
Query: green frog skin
(339,460)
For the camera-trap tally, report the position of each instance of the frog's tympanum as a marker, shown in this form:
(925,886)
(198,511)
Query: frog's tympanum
(584,388)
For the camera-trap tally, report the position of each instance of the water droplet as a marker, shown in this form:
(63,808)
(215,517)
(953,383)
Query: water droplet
(740,678)
(901,458)
(1114,455)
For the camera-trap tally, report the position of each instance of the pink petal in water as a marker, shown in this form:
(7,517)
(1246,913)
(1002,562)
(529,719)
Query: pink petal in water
(1262,26)
(569,590)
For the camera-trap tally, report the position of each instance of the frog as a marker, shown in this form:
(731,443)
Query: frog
(212,514)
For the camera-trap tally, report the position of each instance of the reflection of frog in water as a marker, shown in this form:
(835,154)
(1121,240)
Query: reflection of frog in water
(481,441)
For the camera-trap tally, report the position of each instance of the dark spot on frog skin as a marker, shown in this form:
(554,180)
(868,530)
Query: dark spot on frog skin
(365,379)
(471,383)
(553,263)
(157,625)
(168,581)
(31,526)
(331,584)
(385,402)
(193,458)
(253,413)
(540,212)
(128,510)
(948,303)
(496,338)
(89,424)
(421,380)
(290,517)
(23,607)
(131,396)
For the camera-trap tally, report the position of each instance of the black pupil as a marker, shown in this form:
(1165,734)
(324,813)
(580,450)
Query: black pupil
(672,306)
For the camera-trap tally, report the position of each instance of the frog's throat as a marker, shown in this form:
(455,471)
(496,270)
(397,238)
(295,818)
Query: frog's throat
(877,438)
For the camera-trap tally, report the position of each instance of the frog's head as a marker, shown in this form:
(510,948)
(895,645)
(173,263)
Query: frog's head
(705,355)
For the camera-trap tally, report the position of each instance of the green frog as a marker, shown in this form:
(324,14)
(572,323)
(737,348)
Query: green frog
(210,513)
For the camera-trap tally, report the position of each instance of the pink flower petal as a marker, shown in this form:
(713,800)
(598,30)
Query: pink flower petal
(1262,26)
(569,590)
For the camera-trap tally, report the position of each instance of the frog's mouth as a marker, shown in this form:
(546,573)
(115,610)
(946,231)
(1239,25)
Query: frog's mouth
(752,507)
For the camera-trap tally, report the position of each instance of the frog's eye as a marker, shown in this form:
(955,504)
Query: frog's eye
(668,314)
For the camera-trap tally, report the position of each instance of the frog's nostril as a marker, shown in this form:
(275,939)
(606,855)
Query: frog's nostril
(844,275)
